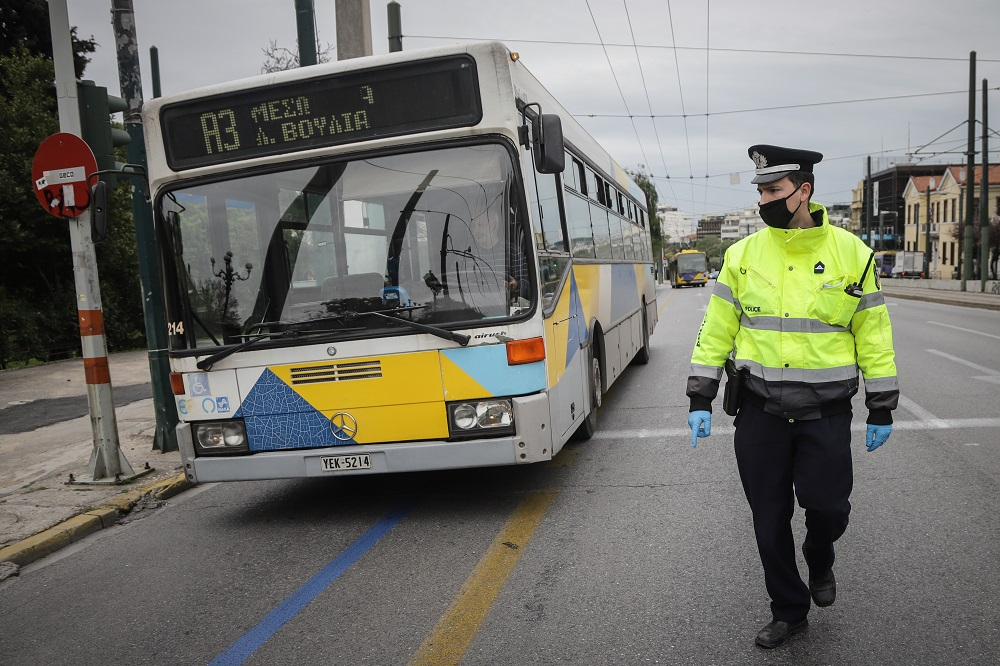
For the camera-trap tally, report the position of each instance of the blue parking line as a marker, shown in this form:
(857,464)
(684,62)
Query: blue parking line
(248,643)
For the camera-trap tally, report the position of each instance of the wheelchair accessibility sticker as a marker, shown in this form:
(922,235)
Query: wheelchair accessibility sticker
(198,384)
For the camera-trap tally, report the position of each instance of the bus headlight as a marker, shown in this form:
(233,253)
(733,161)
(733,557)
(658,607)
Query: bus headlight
(220,438)
(473,418)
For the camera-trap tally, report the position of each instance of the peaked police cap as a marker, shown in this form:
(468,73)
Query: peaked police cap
(774,162)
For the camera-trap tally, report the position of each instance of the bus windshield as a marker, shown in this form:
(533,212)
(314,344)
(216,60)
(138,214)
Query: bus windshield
(692,263)
(438,237)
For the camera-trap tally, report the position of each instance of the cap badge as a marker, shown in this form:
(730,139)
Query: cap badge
(759,160)
(819,267)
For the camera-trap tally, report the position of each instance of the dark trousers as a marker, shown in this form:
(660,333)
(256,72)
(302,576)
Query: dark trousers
(812,458)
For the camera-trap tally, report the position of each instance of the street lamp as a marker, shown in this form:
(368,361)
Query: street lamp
(931,184)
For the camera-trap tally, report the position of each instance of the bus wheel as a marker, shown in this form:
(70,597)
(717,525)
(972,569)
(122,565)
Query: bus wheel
(642,356)
(589,425)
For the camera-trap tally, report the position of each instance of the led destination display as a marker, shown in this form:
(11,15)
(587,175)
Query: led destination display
(324,111)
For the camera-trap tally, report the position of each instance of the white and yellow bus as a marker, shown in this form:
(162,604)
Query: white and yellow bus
(403,262)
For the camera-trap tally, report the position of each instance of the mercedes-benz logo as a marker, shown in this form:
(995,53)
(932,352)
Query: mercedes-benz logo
(343,426)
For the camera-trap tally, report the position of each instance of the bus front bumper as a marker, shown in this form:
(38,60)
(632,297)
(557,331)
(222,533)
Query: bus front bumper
(532,443)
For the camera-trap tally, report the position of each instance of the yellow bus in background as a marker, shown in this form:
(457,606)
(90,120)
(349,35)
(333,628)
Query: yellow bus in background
(688,268)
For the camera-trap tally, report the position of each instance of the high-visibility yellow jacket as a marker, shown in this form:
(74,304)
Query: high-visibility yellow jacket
(780,301)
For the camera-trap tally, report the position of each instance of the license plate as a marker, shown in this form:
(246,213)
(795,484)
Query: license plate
(343,463)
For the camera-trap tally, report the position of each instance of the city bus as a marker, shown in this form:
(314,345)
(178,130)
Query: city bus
(688,268)
(402,262)
(885,260)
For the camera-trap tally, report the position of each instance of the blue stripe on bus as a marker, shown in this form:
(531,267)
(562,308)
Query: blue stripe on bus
(624,291)
(244,646)
(577,335)
(487,366)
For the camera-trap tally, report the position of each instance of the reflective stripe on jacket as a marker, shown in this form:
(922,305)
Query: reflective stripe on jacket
(780,299)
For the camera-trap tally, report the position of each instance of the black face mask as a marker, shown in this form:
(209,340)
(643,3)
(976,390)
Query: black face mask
(776,214)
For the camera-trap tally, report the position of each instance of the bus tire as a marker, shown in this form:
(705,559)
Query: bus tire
(642,356)
(587,429)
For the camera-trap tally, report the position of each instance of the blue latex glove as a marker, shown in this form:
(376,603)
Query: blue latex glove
(876,436)
(701,425)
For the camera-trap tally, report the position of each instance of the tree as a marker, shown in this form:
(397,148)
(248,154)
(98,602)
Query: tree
(278,58)
(25,23)
(958,233)
(38,317)
(645,182)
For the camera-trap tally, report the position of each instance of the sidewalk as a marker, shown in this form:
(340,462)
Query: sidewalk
(942,291)
(39,511)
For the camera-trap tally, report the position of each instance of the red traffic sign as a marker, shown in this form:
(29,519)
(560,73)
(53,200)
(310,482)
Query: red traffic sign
(59,174)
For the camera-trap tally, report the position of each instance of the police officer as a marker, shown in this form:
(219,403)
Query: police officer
(799,309)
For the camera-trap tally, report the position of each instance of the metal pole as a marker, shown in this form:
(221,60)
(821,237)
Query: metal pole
(153,309)
(927,232)
(305,21)
(395,27)
(107,462)
(970,170)
(154,66)
(354,29)
(868,203)
(984,218)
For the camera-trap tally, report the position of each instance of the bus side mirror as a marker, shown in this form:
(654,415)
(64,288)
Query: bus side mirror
(547,144)
(99,211)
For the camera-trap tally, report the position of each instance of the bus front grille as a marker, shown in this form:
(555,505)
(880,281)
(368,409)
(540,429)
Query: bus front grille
(336,372)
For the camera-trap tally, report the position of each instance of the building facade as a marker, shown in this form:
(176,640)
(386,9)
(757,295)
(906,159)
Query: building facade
(940,200)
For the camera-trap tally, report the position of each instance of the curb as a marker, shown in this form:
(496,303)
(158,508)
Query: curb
(76,528)
(944,300)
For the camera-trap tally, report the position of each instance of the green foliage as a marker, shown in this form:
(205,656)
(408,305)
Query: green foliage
(645,182)
(24,24)
(715,248)
(38,317)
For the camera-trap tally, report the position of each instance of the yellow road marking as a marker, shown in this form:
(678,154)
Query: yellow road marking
(453,633)
(673,292)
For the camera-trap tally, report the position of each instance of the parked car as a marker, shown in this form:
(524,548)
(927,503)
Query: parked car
(712,275)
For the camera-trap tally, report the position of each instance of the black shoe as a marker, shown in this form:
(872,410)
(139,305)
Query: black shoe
(823,589)
(777,632)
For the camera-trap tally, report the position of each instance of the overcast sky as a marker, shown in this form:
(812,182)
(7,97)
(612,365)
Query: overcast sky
(781,72)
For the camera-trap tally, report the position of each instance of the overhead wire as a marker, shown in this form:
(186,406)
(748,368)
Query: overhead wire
(615,76)
(825,54)
(645,88)
(680,92)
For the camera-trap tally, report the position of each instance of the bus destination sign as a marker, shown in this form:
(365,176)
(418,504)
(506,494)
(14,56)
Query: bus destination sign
(323,111)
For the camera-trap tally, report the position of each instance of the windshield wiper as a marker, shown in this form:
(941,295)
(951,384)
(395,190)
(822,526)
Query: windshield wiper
(423,328)
(207,362)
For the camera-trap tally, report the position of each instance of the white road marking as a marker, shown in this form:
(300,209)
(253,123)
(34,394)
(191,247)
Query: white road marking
(921,413)
(975,366)
(662,433)
(965,330)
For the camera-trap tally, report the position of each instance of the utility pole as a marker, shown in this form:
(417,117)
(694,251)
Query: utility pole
(970,170)
(107,462)
(931,184)
(984,189)
(395,23)
(305,22)
(354,29)
(153,309)
(868,203)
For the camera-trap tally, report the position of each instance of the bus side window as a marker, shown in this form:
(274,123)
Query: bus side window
(550,272)
(546,187)
(578,222)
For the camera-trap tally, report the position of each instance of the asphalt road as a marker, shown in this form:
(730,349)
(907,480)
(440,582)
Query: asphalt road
(42,412)
(628,549)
